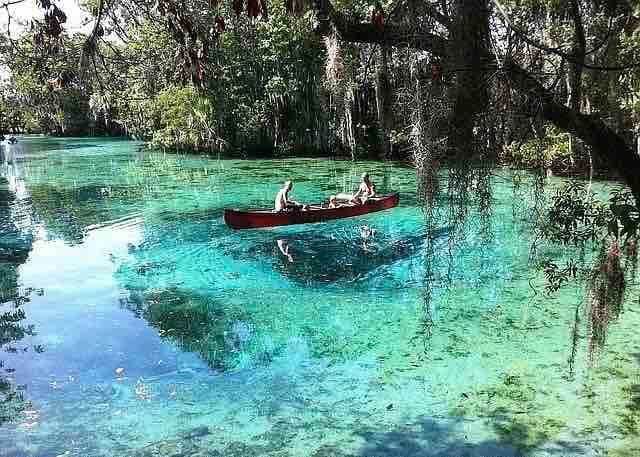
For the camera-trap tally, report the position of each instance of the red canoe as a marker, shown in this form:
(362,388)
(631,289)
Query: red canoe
(237,219)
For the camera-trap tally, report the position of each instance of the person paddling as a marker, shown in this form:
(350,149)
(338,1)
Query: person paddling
(283,203)
(365,191)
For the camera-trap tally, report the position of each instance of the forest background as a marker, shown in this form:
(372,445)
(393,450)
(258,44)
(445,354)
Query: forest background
(344,79)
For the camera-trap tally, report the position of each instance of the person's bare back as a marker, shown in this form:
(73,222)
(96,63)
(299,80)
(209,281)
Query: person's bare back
(282,201)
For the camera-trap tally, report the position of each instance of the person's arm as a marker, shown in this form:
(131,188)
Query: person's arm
(289,201)
(360,191)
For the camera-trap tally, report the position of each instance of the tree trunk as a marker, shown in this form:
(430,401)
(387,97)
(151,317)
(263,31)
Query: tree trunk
(468,45)
(574,75)
(383,102)
(613,81)
(609,146)
(471,16)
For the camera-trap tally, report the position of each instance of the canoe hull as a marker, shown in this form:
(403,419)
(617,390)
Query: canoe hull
(237,219)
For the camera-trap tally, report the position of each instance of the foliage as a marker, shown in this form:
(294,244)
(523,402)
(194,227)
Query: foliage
(558,276)
(576,216)
(630,100)
(260,92)
(552,150)
(186,119)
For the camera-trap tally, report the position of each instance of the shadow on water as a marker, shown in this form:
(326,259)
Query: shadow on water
(310,258)
(429,438)
(425,437)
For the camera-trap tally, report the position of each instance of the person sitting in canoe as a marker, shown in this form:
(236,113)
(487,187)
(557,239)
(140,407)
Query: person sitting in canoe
(365,191)
(334,203)
(283,203)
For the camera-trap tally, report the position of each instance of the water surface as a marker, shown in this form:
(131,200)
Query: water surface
(150,328)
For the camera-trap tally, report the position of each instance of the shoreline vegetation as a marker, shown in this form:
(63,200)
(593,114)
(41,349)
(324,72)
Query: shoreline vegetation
(556,163)
(258,86)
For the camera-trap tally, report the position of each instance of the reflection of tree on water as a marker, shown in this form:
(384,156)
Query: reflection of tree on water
(15,246)
(68,212)
(197,323)
(63,205)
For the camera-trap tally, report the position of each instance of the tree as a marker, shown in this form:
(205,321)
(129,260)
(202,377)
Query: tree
(491,57)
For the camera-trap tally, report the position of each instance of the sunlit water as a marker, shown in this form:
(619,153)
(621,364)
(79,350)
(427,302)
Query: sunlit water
(157,330)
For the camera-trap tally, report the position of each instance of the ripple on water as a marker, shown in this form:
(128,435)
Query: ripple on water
(313,340)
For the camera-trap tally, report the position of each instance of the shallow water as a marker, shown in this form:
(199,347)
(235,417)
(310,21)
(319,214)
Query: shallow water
(150,328)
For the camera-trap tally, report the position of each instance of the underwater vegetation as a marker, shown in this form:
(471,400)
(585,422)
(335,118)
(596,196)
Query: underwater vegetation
(515,409)
(631,416)
(222,335)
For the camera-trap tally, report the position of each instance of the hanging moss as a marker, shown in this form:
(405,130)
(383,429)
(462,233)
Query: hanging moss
(607,289)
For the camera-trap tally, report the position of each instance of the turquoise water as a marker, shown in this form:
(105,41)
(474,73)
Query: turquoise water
(150,328)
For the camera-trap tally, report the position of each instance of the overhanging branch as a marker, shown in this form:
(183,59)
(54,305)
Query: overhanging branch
(390,35)
(591,129)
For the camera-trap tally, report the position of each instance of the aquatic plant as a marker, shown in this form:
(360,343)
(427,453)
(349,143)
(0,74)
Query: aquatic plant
(220,334)
(630,417)
(514,409)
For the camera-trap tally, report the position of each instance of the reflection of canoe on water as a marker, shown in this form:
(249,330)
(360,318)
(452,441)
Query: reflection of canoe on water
(267,218)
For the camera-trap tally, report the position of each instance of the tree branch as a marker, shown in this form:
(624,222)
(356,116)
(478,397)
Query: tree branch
(568,57)
(590,128)
(579,48)
(14,2)
(391,34)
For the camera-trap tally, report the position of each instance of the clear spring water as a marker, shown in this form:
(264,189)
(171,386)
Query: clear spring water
(151,329)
